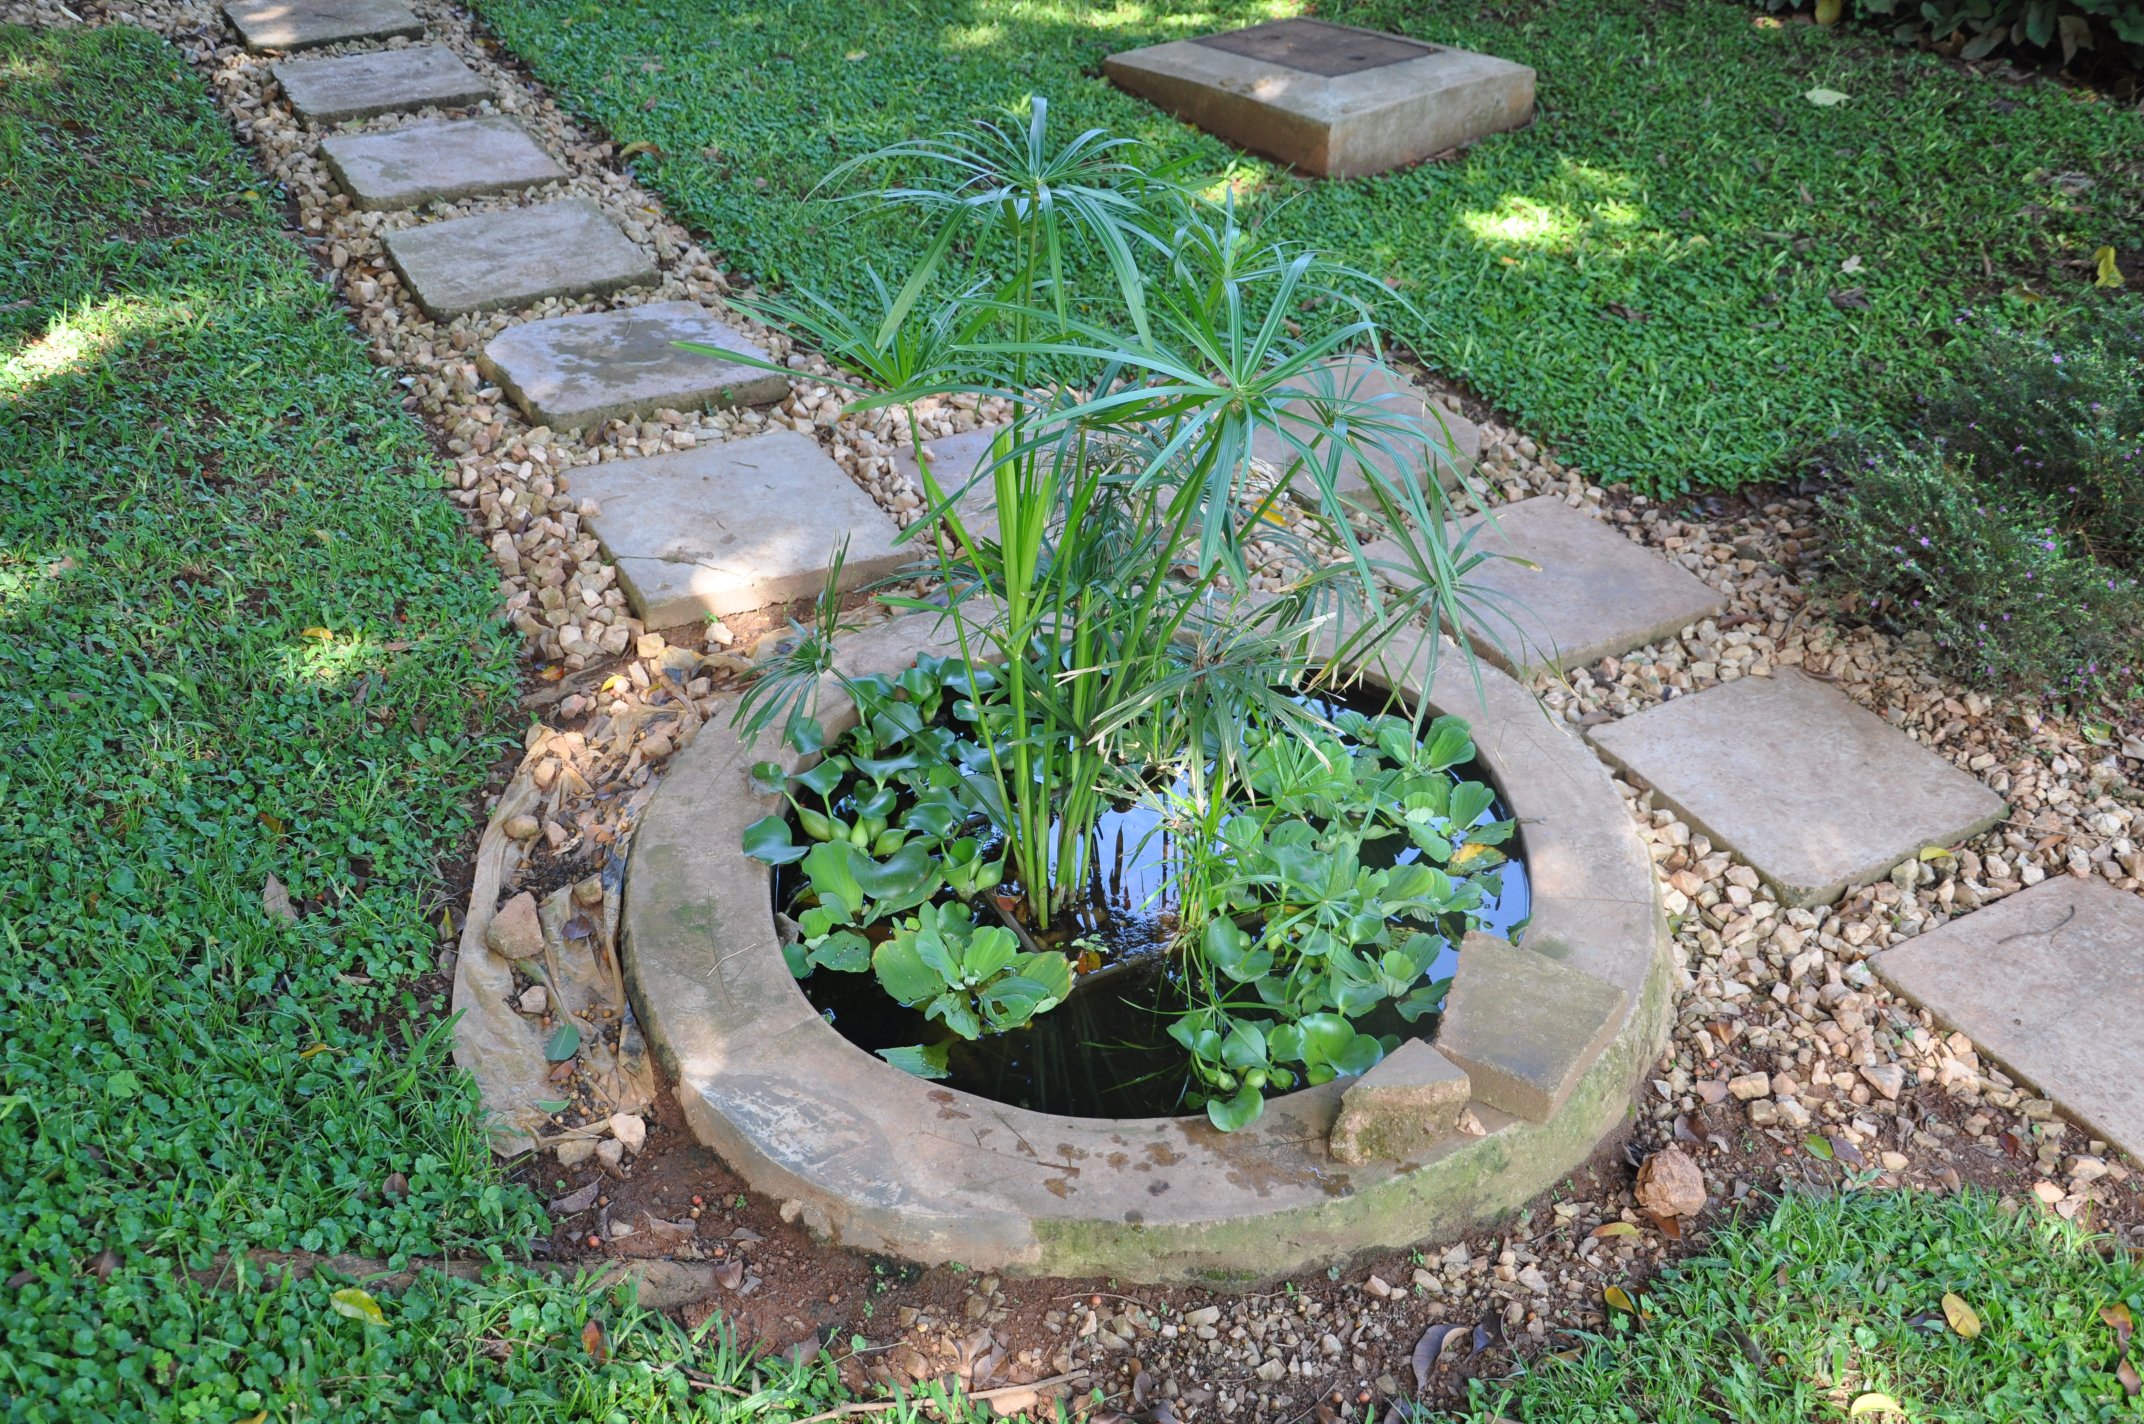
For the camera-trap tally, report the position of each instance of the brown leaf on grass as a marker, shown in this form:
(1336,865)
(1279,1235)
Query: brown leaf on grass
(730,1275)
(277,902)
(1614,1228)
(1851,299)
(639,146)
(2008,1142)
(2127,1374)
(595,1342)
(2121,1323)
(104,1263)
(1670,1226)
(573,1203)
(1691,1128)
(1847,1152)
(1712,1090)
(395,1187)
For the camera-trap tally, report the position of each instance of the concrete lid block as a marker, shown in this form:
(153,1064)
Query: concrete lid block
(388,170)
(572,371)
(1564,589)
(499,261)
(1453,441)
(1330,99)
(384,81)
(2049,983)
(1816,793)
(308,24)
(1525,1028)
(734,527)
(1400,1109)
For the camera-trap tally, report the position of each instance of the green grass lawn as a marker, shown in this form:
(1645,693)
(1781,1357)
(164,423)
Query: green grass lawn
(1652,274)
(1802,1316)
(242,635)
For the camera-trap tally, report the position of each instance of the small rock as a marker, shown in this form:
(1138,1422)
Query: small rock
(522,828)
(1886,1078)
(1750,1086)
(1204,1315)
(1379,1287)
(656,748)
(514,932)
(575,1150)
(589,893)
(1763,1113)
(535,999)
(630,1129)
(1670,1184)
(611,1152)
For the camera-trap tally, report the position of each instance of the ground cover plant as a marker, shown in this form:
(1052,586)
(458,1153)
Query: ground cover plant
(1683,273)
(1889,1306)
(2010,525)
(1111,648)
(250,688)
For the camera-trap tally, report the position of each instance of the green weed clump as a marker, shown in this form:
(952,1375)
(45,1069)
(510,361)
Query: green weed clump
(2011,527)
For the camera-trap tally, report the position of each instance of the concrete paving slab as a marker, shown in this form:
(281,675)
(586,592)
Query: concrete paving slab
(308,24)
(2049,982)
(573,371)
(1582,592)
(499,261)
(1817,794)
(385,81)
(1524,1028)
(954,460)
(1330,99)
(1453,441)
(1401,1109)
(388,170)
(734,527)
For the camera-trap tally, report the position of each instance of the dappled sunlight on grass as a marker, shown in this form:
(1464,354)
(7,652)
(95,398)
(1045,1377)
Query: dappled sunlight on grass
(90,334)
(1522,222)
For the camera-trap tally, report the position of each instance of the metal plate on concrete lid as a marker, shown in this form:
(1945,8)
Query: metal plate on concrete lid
(1318,47)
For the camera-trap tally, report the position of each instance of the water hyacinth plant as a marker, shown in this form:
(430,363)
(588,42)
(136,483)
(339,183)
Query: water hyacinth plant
(1110,642)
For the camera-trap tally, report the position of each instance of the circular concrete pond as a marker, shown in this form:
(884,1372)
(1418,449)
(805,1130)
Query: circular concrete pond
(1542,1043)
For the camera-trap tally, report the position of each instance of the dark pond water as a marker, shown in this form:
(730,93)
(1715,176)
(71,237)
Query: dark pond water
(1106,1050)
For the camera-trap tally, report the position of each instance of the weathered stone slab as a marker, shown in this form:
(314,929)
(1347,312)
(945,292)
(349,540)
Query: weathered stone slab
(384,81)
(1814,792)
(1441,438)
(1525,1028)
(573,371)
(2049,983)
(733,527)
(388,170)
(1400,1109)
(499,261)
(1330,99)
(1582,592)
(954,461)
(308,24)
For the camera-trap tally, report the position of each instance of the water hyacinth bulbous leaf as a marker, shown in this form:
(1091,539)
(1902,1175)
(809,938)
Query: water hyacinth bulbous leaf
(923,1060)
(903,974)
(767,839)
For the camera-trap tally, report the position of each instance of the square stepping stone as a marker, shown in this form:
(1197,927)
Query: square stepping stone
(1453,441)
(1330,99)
(1584,591)
(954,460)
(2049,982)
(499,261)
(572,371)
(730,528)
(388,170)
(1524,1028)
(308,24)
(1817,794)
(385,81)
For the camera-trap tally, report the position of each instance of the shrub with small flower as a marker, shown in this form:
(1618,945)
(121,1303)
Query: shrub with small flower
(2010,528)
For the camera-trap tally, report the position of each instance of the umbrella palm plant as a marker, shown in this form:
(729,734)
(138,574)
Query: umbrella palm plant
(1114,592)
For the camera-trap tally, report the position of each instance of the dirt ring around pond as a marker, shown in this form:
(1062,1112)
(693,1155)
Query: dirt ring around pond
(1554,1037)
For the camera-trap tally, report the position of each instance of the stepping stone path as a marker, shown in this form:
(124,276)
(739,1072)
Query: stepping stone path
(388,81)
(2050,983)
(1817,794)
(441,161)
(499,261)
(573,371)
(1396,400)
(730,528)
(309,24)
(1588,594)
